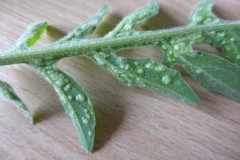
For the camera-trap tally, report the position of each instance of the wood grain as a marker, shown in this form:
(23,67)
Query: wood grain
(131,123)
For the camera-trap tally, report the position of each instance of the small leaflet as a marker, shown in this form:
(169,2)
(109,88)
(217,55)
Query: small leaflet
(7,92)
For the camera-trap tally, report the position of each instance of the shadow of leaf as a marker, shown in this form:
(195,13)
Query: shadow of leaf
(108,119)
(161,21)
(107,24)
(54,33)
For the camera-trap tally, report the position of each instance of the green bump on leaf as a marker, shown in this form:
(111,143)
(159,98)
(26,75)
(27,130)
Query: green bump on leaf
(174,48)
(76,103)
(214,73)
(7,92)
(228,40)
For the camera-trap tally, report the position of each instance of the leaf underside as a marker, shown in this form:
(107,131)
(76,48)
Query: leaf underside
(219,74)
(211,70)
(228,40)
(7,92)
(76,102)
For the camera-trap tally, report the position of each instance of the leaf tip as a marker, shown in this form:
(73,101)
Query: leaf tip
(193,99)
(104,9)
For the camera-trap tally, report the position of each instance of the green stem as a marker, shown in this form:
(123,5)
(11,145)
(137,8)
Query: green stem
(106,44)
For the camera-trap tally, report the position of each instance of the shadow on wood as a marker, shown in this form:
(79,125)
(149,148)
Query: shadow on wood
(108,24)
(161,21)
(54,33)
(108,120)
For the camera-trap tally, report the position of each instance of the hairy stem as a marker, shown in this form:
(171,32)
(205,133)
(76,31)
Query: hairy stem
(105,44)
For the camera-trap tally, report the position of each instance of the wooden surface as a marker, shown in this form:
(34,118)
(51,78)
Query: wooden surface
(131,123)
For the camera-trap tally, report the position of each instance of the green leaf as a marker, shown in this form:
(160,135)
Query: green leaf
(147,74)
(125,27)
(75,101)
(31,35)
(228,40)
(7,92)
(214,73)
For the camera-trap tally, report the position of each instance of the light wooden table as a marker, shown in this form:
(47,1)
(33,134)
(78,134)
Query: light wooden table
(131,123)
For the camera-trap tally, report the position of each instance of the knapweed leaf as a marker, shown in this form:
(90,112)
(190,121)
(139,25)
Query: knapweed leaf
(76,103)
(227,40)
(211,71)
(7,92)
(147,74)
(214,72)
